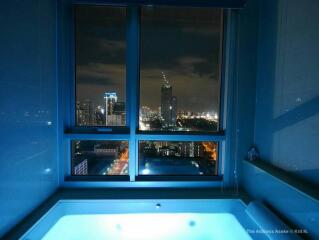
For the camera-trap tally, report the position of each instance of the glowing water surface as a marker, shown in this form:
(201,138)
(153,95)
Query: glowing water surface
(150,226)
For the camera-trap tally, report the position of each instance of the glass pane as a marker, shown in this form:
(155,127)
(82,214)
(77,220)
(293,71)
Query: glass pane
(180,69)
(178,158)
(100,66)
(90,157)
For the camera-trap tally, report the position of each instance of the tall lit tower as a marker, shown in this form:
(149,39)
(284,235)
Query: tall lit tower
(110,100)
(168,104)
(173,110)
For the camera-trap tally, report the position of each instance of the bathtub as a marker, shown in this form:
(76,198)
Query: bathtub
(146,219)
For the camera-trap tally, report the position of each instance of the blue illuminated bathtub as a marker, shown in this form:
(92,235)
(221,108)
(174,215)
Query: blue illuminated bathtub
(155,220)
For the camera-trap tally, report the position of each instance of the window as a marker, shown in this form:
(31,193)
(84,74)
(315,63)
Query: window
(100,66)
(180,69)
(100,158)
(167,60)
(177,158)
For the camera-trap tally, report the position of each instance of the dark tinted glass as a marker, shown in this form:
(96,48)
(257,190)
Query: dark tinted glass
(180,69)
(91,157)
(100,66)
(178,158)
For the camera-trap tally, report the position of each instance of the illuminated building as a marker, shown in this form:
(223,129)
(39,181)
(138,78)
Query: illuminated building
(173,110)
(110,100)
(114,110)
(119,112)
(81,168)
(168,104)
(106,150)
(84,113)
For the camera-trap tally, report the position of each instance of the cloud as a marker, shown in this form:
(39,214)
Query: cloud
(187,64)
(94,79)
(101,73)
(194,91)
(110,46)
(190,60)
(202,31)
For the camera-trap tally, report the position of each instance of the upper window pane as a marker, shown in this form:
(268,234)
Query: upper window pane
(100,66)
(180,69)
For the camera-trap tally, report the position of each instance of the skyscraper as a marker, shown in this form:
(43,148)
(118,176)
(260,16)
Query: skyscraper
(114,110)
(119,111)
(173,110)
(110,101)
(168,104)
(84,113)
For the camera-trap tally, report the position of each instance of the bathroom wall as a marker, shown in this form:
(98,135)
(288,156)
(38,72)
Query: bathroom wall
(245,81)
(28,107)
(287,110)
(287,103)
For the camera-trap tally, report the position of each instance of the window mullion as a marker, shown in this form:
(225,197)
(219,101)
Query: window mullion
(132,79)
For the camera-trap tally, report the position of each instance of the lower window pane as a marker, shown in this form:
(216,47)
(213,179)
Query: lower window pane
(178,158)
(91,157)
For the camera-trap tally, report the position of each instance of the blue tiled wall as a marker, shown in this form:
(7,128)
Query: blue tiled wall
(294,207)
(287,110)
(28,107)
(245,86)
(287,103)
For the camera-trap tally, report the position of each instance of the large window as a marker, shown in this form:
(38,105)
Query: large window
(156,73)
(100,66)
(180,69)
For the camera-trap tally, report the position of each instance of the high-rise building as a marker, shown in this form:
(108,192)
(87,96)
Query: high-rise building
(115,114)
(198,149)
(173,110)
(84,113)
(184,149)
(109,149)
(100,116)
(119,112)
(191,149)
(81,168)
(168,104)
(110,101)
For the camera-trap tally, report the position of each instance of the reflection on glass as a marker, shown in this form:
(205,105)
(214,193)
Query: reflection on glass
(178,158)
(90,157)
(180,69)
(100,66)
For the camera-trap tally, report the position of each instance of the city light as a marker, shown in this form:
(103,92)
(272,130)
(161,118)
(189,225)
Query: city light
(146,171)
(100,157)
(170,118)
(177,158)
(112,114)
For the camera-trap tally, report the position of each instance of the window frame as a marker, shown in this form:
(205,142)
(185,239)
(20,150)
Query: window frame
(131,132)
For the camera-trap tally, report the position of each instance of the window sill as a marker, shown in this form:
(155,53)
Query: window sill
(125,178)
(168,178)
(98,130)
(213,133)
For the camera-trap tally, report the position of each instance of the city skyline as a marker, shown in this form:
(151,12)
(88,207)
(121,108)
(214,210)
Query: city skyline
(101,157)
(166,117)
(192,64)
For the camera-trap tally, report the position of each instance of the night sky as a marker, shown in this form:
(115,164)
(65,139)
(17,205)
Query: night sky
(182,42)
